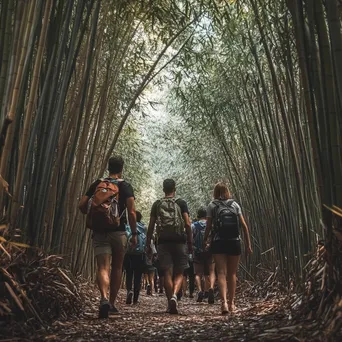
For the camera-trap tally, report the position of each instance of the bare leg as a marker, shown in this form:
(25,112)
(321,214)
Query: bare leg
(116,274)
(103,268)
(184,285)
(198,282)
(221,267)
(177,283)
(151,281)
(168,284)
(212,276)
(232,266)
(206,284)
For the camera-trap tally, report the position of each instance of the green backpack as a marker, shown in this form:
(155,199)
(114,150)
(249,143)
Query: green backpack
(170,223)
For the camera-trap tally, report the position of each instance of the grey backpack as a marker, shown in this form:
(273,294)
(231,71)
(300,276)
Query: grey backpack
(170,222)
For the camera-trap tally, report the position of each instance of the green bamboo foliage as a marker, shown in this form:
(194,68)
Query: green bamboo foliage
(276,127)
(72,75)
(257,83)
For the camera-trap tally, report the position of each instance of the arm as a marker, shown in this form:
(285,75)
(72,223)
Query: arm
(150,230)
(83,204)
(188,230)
(132,218)
(207,229)
(246,235)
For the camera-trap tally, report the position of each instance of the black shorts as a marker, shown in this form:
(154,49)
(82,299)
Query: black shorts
(230,247)
(188,272)
(159,272)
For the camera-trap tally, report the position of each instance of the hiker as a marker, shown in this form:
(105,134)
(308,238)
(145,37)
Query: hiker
(150,269)
(224,217)
(204,265)
(159,275)
(105,204)
(134,262)
(188,273)
(173,231)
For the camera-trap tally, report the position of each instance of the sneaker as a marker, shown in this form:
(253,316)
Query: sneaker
(211,297)
(200,297)
(104,308)
(173,305)
(206,294)
(129,298)
(179,295)
(148,291)
(113,310)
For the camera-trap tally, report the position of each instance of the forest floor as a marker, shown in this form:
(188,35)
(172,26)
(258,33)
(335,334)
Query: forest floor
(256,319)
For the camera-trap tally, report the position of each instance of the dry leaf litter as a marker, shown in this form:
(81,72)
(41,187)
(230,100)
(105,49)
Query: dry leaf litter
(41,301)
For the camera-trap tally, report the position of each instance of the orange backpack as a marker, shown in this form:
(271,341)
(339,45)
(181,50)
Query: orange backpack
(103,207)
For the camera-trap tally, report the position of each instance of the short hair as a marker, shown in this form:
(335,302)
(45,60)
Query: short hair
(139,216)
(169,186)
(201,213)
(115,164)
(221,191)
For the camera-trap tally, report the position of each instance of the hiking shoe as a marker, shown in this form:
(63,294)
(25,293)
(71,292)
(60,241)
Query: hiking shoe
(179,295)
(211,297)
(148,291)
(104,308)
(129,298)
(200,297)
(173,305)
(206,294)
(113,310)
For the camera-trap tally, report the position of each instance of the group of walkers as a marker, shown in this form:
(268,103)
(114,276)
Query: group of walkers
(211,243)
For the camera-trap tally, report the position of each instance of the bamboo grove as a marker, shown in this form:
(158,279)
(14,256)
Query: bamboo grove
(72,73)
(257,85)
(263,99)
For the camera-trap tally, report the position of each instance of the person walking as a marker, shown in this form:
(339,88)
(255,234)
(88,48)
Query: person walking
(134,262)
(150,269)
(224,217)
(171,216)
(105,204)
(204,265)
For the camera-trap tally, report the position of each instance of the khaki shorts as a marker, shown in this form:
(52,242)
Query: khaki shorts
(203,263)
(109,243)
(173,255)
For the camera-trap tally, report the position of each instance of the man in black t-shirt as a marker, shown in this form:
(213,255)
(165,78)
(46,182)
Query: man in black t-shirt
(110,246)
(172,249)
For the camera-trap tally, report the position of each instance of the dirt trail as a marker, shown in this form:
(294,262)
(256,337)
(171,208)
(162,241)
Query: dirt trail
(255,320)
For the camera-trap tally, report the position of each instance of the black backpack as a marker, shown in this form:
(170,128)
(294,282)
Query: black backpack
(226,221)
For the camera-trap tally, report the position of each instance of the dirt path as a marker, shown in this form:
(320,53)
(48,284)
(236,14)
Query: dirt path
(255,320)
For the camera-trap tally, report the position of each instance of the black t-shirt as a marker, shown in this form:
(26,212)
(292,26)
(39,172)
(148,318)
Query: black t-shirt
(125,192)
(184,209)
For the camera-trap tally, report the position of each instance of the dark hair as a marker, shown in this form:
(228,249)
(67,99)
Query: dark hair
(201,213)
(115,165)
(169,186)
(139,216)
